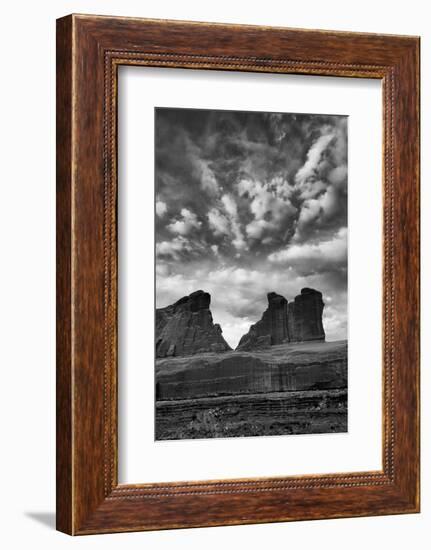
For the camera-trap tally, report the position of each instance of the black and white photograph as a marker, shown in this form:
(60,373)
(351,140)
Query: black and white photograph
(251,240)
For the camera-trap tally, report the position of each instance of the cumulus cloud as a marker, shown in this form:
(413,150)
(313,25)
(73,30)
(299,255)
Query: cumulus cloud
(314,158)
(257,228)
(270,205)
(230,206)
(321,185)
(186,223)
(161,208)
(231,209)
(325,212)
(162,269)
(315,257)
(173,248)
(338,175)
(207,178)
(218,222)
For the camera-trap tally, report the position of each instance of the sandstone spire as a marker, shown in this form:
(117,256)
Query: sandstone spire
(304,316)
(271,329)
(297,321)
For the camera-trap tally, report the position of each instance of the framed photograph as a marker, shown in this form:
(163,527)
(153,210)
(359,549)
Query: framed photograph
(237,274)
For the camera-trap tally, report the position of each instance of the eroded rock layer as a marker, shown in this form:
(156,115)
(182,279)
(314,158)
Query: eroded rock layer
(187,328)
(287,367)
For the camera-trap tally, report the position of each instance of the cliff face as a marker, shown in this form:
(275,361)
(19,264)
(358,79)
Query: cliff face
(187,328)
(286,367)
(282,322)
(271,329)
(304,316)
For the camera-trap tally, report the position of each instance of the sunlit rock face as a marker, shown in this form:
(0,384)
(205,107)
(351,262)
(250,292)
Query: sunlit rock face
(187,328)
(281,322)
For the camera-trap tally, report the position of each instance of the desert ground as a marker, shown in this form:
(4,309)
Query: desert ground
(290,388)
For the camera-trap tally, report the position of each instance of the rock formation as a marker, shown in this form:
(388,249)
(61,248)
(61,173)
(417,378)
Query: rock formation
(304,316)
(310,366)
(297,321)
(187,328)
(271,329)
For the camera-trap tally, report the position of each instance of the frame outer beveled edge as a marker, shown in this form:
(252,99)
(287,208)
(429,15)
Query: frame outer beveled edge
(74,527)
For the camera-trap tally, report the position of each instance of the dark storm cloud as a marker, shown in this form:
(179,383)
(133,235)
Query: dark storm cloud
(247,203)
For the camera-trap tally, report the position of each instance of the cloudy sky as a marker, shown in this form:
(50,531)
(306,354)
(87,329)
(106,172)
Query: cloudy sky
(248,203)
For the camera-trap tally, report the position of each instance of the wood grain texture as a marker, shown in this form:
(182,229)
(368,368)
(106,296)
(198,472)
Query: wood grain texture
(90,49)
(64,496)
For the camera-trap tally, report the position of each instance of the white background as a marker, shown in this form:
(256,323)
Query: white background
(27,120)
(141,458)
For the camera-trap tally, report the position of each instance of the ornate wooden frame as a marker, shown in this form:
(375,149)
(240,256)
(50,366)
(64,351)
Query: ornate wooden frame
(89,51)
